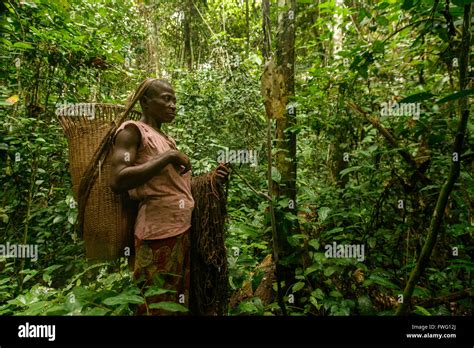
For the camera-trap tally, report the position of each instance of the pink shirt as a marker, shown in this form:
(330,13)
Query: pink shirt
(166,202)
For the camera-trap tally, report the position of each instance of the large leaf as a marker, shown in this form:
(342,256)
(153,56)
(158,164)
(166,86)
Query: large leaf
(349,170)
(248,307)
(329,271)
(168,306)
(456,95)
(323,213)
(298,286)
(123,299)
(96,312)
(417,97)
(276,175)
(383,281)
(311,269)
(35,308)
(155,291)
(422,311)
(23,45)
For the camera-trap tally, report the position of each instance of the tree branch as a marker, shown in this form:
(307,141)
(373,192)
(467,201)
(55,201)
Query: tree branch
(392,141)
(261,194)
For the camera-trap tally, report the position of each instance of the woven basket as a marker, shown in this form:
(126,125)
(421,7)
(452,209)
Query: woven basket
(109,218)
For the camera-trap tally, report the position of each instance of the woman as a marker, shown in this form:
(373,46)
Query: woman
(147,164)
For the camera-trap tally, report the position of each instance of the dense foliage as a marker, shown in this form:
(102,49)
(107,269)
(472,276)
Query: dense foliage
(354,187)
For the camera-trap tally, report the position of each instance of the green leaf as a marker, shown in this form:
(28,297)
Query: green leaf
(35,308)
(46,278)
(311,269)
(58,219)
(315,303)
(372,241)
(318,293)
(276,175)
(83,294)
(51,269)
(96,311)
(29,276)
(349,170)
(329,271)
(421,292)
(155,291)
(382,281)
(71,219)
(23,45)
(456,95)
(333,231)
(256,280)
(298,286)
(314,243)
(422,311)
(123,299)
(248,307)
(56,310)
(169,306)
(323,213)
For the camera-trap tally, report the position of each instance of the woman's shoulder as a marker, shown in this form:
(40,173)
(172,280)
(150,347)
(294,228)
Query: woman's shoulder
(129,122)
(129,130)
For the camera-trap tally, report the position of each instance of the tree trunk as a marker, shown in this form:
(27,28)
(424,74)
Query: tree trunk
(285,142)
(266,29)
(277,87)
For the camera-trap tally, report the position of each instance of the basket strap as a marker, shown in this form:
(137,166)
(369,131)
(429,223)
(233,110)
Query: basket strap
(91,172)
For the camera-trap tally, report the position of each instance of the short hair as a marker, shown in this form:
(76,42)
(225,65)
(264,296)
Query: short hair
(151,89)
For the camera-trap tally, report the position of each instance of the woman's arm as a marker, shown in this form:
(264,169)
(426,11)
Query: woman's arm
(126,175)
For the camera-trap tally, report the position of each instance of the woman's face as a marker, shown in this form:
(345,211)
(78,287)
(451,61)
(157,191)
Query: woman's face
(161,106)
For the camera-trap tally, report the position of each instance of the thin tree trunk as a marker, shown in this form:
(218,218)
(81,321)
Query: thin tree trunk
(188,54)
(286,141)
(266,29)
(269,79)
(247,28)
(285,158)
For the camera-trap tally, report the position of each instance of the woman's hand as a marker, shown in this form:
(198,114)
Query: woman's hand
(222,173)
(179,160)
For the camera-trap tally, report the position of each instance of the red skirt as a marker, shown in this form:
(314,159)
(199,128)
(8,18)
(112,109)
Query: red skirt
(164,263)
